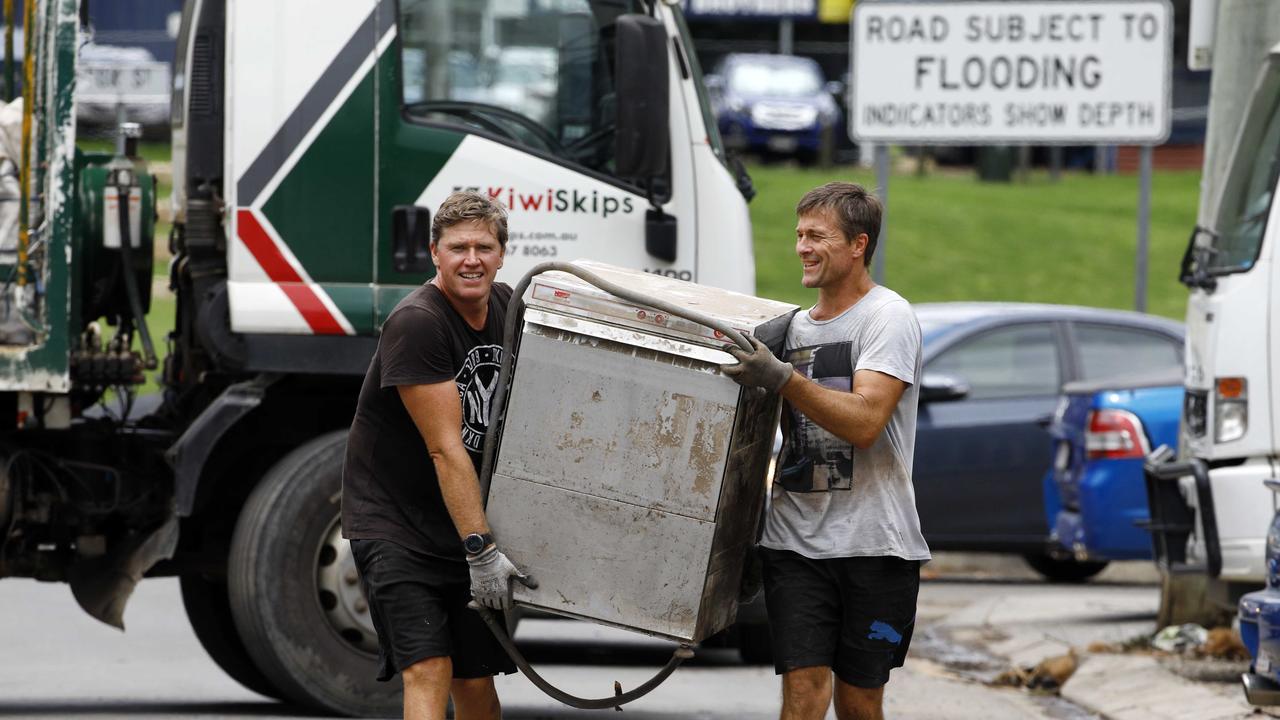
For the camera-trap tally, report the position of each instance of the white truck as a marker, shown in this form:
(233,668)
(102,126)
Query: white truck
(1210,508)
(311,141)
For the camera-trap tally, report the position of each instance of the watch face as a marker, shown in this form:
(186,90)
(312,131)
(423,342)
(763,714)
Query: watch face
(473,543)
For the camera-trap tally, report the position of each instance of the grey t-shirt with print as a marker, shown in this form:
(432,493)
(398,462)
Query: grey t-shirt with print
(831,499)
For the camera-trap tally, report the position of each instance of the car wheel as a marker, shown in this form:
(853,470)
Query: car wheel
(294,591)
(754,644)
(1065,570)
(209,611)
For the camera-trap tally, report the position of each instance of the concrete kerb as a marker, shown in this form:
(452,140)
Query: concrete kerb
(1031,623)
(1136,687)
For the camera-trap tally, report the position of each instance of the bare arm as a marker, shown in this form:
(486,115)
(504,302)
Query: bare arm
(858,416)
(437,411)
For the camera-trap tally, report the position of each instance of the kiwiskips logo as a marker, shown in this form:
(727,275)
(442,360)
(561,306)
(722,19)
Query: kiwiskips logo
(557,201)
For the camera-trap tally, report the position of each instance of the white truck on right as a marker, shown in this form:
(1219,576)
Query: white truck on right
(1210,509)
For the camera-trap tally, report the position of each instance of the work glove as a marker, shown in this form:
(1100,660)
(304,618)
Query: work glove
(491,574)
(759,369)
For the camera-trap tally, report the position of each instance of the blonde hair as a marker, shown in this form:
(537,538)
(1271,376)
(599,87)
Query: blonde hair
(466,205)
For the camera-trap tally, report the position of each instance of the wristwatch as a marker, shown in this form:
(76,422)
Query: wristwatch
(475,542)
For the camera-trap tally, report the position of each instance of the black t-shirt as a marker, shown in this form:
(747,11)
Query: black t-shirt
(389,485)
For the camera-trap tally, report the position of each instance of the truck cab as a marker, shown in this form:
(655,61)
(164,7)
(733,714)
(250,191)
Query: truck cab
(1210,508)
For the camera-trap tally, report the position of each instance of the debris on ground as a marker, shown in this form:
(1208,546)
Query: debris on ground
(1223,643)
(1179,639)
(1136,645)
(1047,676)
(1191,641)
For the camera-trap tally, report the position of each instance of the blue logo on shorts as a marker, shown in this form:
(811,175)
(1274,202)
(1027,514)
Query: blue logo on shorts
(884,631)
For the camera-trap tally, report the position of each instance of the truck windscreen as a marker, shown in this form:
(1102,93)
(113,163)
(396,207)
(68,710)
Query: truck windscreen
(1246,196)
(539,75)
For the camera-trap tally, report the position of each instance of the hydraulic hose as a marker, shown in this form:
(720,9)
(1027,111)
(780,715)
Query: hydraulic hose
(515,312)
(130,279)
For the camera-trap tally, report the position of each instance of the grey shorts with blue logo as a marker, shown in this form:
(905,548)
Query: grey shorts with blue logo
(854,615)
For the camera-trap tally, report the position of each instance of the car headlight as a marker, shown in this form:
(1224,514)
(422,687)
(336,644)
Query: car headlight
(1231,409)
(736,105)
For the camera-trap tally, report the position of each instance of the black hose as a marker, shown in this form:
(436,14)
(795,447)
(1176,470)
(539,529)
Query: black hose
(619,698)
(130,281)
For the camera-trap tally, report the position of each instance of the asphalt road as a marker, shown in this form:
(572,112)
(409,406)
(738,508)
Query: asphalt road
(58,662)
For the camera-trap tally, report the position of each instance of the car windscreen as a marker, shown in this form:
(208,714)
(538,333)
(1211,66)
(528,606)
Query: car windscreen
(775,80)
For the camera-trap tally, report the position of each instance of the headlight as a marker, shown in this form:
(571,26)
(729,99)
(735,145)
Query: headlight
(736,105)
(1231,409)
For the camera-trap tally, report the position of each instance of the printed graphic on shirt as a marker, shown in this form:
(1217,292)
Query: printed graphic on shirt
(814,460)
(477,381)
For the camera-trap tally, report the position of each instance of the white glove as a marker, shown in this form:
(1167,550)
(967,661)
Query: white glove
(491,574)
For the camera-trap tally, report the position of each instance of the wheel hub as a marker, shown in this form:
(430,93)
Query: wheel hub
(340,594)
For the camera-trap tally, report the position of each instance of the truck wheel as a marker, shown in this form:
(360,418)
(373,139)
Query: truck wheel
(294,591)
(1066,570)
(209,611)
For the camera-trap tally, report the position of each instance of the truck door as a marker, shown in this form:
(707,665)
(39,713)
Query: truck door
(515,100)
(300,157)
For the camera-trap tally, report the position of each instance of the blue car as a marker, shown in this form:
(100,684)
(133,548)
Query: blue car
(993,374)
(1096,500)
(1259,614)
(776,104)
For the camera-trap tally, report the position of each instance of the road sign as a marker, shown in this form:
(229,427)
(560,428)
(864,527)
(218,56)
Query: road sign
(1011,72)
(750,9)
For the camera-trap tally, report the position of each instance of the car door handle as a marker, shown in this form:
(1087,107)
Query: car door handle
(1044,421)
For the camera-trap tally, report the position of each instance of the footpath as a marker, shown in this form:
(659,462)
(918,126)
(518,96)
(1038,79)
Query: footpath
(997,635)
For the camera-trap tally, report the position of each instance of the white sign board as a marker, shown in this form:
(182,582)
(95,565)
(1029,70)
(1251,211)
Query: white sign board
(750,8)
(1011,72)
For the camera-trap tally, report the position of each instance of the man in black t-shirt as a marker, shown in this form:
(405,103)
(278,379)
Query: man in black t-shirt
(411,502)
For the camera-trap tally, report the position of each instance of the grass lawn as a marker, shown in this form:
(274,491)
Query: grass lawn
(950,237)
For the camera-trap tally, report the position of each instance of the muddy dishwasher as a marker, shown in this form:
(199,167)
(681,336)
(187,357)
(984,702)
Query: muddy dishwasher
(621,468)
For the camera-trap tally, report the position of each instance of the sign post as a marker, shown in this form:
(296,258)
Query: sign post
(1075,72)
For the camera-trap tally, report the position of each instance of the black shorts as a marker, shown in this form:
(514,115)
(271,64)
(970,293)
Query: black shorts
(419,608)
(854,615)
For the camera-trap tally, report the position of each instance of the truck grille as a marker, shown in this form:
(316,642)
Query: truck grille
(1195,406)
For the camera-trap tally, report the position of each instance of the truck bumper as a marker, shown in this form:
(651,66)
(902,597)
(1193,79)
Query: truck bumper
(1211,521)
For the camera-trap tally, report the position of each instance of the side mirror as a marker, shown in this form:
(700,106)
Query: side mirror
(642,137)
(834,87)
(937,387)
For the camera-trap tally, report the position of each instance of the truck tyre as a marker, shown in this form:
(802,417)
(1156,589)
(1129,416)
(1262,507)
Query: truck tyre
(1065,570)
(209,611)
(294,592)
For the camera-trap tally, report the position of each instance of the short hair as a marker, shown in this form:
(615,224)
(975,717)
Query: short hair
(465,205)
(855,210)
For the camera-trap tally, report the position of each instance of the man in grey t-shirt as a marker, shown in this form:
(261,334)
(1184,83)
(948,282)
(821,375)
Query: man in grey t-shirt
(842,546)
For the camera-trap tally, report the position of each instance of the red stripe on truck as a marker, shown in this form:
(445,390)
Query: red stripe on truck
(279,270)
